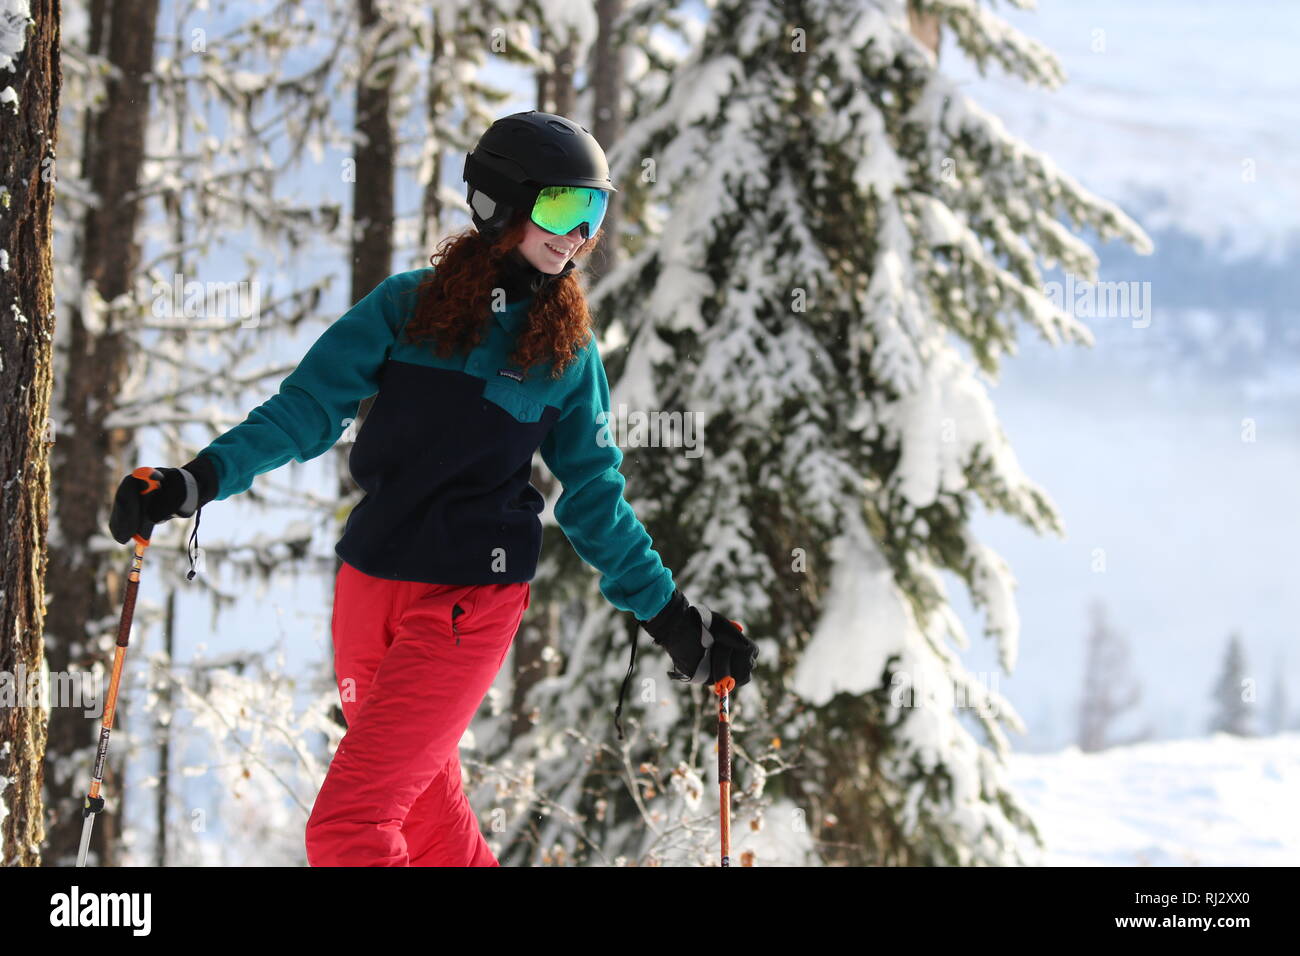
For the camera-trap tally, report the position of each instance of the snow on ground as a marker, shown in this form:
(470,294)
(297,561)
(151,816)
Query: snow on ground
(1215,801)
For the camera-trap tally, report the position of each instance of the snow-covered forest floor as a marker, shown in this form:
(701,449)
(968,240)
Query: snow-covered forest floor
(1213,801)
(1207,801)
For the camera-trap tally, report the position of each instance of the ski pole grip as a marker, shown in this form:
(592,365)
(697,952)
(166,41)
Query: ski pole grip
(152,479)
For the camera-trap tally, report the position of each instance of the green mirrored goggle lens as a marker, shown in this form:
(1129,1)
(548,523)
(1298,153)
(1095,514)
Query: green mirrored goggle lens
(559,209)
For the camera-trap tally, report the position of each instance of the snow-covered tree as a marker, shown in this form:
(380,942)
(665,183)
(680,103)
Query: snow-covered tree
(1109,688)
(1277,701)
(1234,695)
(840,248)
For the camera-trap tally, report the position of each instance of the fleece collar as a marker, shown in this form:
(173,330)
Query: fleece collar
(521,281)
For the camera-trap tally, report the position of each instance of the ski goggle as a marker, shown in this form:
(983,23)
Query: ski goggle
(559,209)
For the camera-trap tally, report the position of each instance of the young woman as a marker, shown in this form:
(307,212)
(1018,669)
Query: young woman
(477,362)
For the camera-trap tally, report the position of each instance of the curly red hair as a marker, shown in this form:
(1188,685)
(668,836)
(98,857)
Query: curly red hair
(454,305)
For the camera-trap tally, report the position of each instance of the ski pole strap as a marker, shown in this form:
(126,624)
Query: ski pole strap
(627,678)
(192,548)
(702,670)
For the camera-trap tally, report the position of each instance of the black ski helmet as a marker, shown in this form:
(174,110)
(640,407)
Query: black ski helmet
(519,155)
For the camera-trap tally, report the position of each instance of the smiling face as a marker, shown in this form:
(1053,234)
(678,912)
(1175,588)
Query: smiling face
(540,247)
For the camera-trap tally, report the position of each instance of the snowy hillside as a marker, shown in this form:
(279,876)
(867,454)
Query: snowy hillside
(1219,801)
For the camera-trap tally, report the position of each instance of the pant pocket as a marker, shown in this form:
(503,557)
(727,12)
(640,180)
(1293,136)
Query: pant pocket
(463,607)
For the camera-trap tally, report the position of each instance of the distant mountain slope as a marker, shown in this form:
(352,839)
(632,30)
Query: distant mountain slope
(1233,323)
(1184,114)
(1188,118)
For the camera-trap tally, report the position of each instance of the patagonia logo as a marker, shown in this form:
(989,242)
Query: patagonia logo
(511,373)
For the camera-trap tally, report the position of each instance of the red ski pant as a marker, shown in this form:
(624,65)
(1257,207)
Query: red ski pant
(410,681)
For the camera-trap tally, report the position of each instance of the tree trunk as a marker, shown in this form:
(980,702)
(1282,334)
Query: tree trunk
(27,147)
(555,90)
(542,79)
(436,103)
(88,460)
(607,71)
(372,192)
(561,86)
(925,27)
(372,195)
(372,207)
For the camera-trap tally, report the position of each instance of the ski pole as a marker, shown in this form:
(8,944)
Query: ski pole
(94,802)
(723,689)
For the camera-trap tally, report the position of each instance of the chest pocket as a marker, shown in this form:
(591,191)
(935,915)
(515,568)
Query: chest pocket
(510,396)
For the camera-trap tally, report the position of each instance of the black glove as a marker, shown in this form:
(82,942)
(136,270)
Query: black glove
(705,647)
(182,492)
